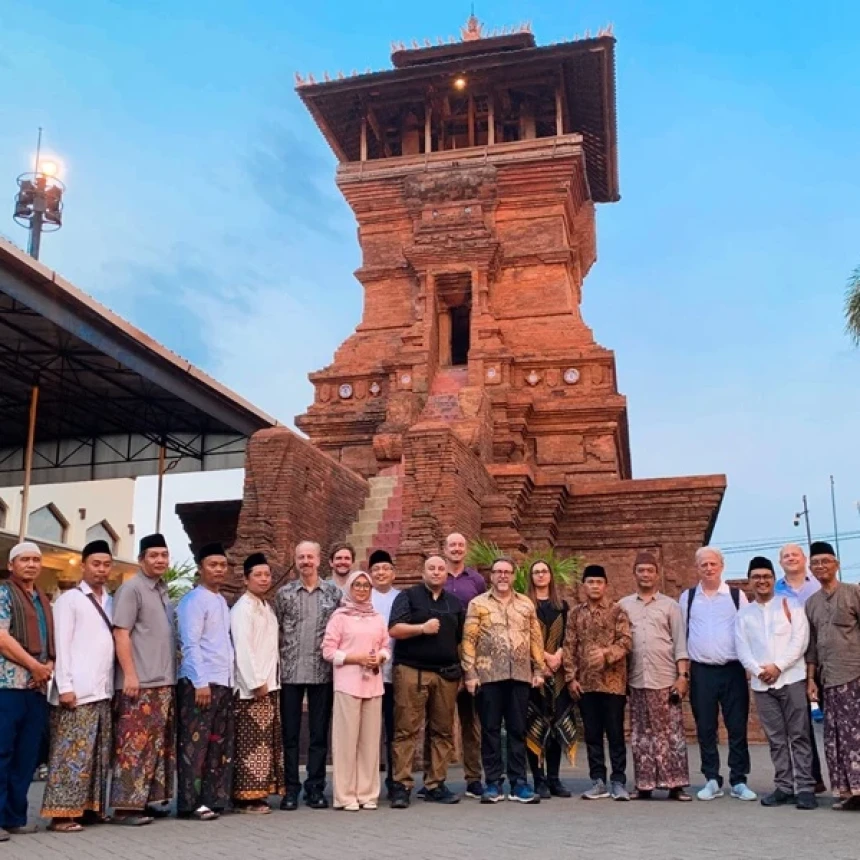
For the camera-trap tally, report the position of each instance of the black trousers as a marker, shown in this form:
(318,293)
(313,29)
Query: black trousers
(508,702)
(388,728)
(714,689)
(320,701)
(816,758)
(603,715)
(552,758)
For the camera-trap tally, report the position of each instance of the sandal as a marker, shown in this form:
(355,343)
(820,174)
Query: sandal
(65,825)
(642,794)
(681,795)
(254,809)
(138,820)
(202,813)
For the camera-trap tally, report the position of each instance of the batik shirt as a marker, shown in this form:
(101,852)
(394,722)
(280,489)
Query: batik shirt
(302,619)
(605,626)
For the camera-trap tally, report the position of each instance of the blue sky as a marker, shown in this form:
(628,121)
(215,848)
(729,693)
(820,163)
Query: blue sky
(201,206)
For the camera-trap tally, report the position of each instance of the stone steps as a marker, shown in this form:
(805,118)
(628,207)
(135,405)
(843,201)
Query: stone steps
(379,522)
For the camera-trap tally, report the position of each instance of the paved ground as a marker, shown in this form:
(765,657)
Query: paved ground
(654,830)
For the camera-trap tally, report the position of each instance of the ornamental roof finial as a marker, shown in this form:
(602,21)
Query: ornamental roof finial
(473,30)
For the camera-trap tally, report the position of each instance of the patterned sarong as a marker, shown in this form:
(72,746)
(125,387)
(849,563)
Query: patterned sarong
(842,737)
(205,748)
(79,761)
(658,740)
(259,749)
(550,712)
(144,765)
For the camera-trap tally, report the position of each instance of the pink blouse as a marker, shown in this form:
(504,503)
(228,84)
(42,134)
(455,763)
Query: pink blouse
(350,634)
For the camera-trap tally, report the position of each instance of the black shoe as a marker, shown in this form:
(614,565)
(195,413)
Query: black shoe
(316,800)
(399,797)
(290,801)
(557,788)
(441,794)
(806,800)
(777,798)
(422,792)
(542,790)
(475,789)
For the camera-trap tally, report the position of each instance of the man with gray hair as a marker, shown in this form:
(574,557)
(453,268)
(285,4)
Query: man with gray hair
(717,678)
(303,608)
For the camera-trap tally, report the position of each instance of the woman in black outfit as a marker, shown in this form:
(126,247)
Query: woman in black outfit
(551,726)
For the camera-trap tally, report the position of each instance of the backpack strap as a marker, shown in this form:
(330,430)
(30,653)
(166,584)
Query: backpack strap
(691,594)
(736,597)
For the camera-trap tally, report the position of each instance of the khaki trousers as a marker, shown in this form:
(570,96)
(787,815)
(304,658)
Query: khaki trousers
(356,729)
(420,695)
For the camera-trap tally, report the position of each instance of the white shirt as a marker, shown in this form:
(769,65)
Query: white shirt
(382,603)
(711,639)
(255,640)
(84,663)
(763,635)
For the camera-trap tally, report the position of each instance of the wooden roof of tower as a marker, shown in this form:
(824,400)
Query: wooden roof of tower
(587,66)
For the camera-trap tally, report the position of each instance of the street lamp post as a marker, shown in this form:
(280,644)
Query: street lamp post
(805,514)
(39,202)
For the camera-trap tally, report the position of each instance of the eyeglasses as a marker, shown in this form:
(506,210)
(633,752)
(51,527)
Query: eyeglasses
(507,574)
(361,585)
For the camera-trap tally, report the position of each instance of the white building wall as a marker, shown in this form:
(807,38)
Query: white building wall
(81,505)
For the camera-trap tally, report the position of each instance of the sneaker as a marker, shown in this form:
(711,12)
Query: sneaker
(522,793)
(4,835)
(290,801)
(351,807)
(557,788)
(597,791)
(619,791)
(399,796)
(542,790)
(778,798)
(711,791)
(316,800)
(741,792)
(475,789)
(492,794)
(441,794)
(422,792)
(806,800)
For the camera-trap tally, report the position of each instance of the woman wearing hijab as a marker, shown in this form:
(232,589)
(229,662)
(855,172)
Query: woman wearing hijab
(551,726)
(356,643)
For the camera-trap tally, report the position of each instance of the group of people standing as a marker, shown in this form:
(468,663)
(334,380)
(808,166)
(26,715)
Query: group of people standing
(143,696)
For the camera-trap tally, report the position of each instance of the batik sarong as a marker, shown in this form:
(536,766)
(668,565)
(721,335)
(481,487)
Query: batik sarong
(205,748)
(842,737)
(79,761)
(658,740)
(550,715)
(259,748)
(144,765)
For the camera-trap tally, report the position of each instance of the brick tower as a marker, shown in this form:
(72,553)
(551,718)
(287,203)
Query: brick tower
(472,395)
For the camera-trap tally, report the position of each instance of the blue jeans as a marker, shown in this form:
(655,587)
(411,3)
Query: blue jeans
(23,717)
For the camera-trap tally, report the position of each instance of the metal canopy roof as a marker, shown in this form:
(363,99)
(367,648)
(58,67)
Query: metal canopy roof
(109,396)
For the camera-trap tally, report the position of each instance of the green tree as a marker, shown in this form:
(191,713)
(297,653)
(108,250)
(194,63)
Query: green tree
(180,579)
(852,306)
(565,569)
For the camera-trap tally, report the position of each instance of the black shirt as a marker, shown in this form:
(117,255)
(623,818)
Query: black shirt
(416,605)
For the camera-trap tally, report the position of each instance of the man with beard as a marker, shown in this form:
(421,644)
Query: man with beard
(205,692)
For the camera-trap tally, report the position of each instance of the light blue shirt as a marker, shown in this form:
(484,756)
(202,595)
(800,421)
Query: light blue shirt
(802,594)
(204,635)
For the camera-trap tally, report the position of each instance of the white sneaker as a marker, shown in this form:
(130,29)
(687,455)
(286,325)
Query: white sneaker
(742,792)
(711,791)
(352,807)
(371,804)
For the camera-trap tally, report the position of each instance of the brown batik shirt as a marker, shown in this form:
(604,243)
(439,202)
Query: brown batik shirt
(605,626)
